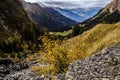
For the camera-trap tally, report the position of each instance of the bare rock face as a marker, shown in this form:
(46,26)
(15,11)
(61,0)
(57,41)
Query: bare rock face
(115,5)
(101,66)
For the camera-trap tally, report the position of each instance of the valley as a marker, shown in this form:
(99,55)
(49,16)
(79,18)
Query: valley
(47,17)
(39,42)
(79,14)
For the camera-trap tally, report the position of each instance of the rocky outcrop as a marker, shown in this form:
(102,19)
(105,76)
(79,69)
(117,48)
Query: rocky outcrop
(101,66)
(115,5)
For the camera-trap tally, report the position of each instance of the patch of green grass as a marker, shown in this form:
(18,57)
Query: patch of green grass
(63,34)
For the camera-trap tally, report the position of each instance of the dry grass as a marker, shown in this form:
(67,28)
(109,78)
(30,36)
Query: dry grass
(80,47)
(92,41)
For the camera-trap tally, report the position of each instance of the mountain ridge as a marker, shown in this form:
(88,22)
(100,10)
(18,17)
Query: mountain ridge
(109,14)
(48,17)
(78,14)
(99,32)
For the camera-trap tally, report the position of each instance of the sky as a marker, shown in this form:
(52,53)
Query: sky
(72,3)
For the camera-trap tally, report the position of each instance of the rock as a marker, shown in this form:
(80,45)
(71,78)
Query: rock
(5,62)
(101,66)
(61,77)
(18,66)
(4,70)
(7,67)
(105,79)
(19,71)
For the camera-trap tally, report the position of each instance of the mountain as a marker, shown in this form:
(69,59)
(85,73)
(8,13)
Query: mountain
(109,14)
(78,14)
(68,13)
(102,34)
(15,26)
(17,33)
(102,31)
(13,17)
(47,17)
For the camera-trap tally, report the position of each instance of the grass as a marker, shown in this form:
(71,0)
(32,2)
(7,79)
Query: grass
(58,55)
(92,41)
(63,34)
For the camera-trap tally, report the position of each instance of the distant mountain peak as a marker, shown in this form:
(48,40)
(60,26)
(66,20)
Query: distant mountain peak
(109,14)
(41,4)
(78,14)
(47,17)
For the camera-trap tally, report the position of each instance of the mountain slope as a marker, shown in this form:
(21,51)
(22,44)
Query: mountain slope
(109,14)
(105,32)
(47,17)
(94,40)
(79,14)
(13,17)
(70,14)
(15,26)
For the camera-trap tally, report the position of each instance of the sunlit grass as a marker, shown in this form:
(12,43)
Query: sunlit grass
(65,33)
(94,40)
(80,47)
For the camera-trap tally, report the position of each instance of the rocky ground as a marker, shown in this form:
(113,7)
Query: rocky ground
(101,66)
(19,71)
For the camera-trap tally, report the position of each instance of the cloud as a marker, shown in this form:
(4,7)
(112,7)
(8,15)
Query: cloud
(73,3)
(31,1)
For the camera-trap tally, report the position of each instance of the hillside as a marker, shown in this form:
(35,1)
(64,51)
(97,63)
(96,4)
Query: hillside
(102,31)
(15,27)
(59,55)
(109,14)
(47,17)
(93,40)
